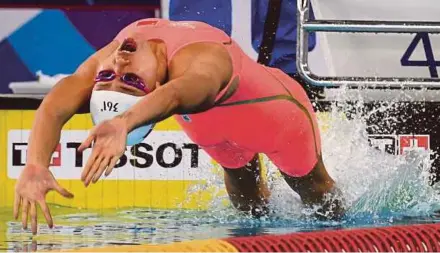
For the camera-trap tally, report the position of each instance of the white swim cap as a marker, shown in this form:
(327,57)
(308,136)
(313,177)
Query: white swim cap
(105,105)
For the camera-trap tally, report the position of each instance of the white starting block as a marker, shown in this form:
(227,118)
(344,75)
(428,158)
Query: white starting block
(44,84)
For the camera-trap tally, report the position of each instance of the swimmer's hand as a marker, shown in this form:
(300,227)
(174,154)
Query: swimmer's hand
(109,139)
(31,189)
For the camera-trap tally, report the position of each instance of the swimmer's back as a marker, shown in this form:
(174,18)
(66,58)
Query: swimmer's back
(254,78)
(253,104)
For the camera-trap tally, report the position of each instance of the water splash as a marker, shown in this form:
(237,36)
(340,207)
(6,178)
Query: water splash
(375,184)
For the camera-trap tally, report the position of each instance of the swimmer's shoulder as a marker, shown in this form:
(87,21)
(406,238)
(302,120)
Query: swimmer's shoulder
(201,54)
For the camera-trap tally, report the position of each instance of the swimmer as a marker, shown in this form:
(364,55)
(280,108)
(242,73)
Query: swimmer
(231,106)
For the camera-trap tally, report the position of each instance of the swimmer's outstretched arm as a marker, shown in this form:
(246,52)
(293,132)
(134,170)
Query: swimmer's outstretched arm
(60,104)
(197,74)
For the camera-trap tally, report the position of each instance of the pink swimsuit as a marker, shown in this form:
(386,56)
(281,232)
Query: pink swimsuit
(268,112)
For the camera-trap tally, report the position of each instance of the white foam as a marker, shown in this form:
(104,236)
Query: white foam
(372,181)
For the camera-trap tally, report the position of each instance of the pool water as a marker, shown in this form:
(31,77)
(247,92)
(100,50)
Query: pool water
(379,190)
(76,229)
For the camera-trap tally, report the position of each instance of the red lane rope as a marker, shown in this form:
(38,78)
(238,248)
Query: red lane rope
(411,238)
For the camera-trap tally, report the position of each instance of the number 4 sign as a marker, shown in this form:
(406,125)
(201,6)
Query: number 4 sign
(430,61)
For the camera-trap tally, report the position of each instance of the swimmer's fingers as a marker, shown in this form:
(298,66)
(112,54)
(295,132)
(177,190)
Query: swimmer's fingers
(17,203)
(34,222)
(46,212)
(34,246)
(102,166)
(94,169)
(111,165)
(87,143)
(24,213)
(92,159)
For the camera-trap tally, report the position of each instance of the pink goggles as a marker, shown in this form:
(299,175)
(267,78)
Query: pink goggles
(127,78)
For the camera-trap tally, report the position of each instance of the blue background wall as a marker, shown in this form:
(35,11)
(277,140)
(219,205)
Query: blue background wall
(57,41)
